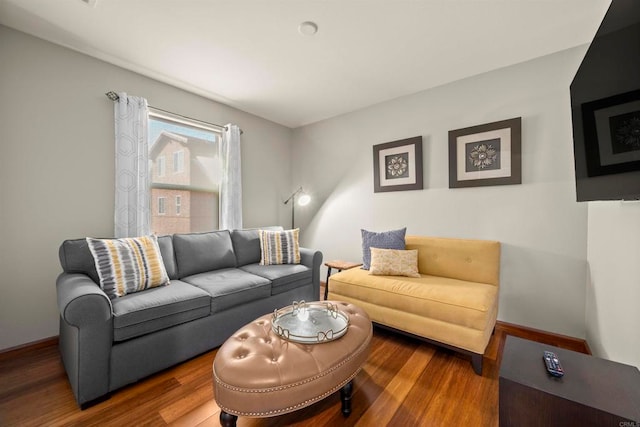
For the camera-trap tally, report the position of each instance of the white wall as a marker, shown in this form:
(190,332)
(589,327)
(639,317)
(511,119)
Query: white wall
(613,291)
(542,228)
(57,167)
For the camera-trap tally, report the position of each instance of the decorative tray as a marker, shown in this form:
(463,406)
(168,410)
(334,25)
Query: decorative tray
(310,323)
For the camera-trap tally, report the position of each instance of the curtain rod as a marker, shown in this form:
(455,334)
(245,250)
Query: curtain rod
(115,97)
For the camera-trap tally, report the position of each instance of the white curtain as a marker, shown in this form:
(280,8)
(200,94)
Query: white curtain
(132,216)
(231,182)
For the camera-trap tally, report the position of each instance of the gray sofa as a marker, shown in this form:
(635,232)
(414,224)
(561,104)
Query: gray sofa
(217,286)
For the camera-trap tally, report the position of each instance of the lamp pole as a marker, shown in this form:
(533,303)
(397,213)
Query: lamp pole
(303,200)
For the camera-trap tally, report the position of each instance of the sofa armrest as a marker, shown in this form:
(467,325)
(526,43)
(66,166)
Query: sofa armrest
(312,259)
(86,336)
(81,301)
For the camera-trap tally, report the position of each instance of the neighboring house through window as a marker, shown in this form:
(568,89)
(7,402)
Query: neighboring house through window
(193,183)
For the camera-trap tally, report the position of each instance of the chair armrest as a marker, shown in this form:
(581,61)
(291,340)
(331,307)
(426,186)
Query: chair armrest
(81,301)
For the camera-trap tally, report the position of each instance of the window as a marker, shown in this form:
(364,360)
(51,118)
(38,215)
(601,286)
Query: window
(178,162)
(162,209)
(161,165)
(189,150)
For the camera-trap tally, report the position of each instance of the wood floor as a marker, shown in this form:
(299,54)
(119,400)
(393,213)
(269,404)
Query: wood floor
(405,382)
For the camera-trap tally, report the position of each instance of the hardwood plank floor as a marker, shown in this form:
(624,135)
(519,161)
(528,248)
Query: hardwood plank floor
(405,382)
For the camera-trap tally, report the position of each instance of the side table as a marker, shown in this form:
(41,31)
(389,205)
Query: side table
(593,391)
(338,265)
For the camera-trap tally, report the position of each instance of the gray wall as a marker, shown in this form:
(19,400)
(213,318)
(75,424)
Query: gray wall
(542,228)
(57,167)
(613,289)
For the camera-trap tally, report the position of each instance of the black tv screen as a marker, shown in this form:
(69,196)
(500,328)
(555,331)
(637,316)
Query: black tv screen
(605,109)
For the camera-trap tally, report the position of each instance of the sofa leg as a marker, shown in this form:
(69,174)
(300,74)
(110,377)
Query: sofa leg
(476,362)
(93,402)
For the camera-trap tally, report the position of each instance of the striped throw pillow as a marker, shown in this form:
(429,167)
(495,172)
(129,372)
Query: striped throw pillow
(128,265)
(279,247)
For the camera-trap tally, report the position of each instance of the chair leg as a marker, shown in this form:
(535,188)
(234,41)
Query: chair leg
(476,362)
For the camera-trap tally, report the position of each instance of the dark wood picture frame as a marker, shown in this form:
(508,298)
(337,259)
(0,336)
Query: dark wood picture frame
(488,154)
(397,165)
(602,120)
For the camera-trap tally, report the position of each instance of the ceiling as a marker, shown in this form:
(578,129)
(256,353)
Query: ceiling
(249,54)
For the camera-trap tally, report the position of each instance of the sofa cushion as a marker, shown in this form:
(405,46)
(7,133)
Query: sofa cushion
(463,259)
(230,287)
(75,257)
(158,308)
(393,239)
(168,255)
(279,247)
(283,277)
(200,252)
(394,262)
(246,244)
(440,298)
(128,265)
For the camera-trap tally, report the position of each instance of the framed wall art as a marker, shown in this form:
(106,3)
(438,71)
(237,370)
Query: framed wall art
(488,154)
(397,165)
(612,134)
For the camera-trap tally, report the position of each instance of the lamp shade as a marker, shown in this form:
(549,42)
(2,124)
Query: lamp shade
(304,199)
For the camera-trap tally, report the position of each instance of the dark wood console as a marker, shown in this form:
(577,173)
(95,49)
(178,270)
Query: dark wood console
(593,391)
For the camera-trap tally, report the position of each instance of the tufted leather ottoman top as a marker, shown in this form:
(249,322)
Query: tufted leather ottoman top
(258,374)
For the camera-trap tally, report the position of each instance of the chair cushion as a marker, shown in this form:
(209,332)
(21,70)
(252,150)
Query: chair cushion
(200,252)
(158,308)
(283,277)
(230,287)
(440,298)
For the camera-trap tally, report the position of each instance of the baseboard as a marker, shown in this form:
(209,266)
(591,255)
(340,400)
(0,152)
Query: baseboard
(550,338)
(558,340)
(20,350)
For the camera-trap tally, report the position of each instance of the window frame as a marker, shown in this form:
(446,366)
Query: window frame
(162,205)
(161,166)
(178,162)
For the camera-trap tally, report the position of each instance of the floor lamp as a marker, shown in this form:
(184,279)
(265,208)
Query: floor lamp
(303,199)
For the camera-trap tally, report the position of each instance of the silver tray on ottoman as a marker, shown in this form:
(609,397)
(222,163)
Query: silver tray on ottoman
(310,323)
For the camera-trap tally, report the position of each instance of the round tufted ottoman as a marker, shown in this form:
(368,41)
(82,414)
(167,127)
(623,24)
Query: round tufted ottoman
(259,374)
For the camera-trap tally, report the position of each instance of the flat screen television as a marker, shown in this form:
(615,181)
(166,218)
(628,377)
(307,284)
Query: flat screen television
(605,109)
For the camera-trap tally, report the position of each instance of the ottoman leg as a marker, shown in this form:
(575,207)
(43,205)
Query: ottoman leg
(227,420)
(345,396)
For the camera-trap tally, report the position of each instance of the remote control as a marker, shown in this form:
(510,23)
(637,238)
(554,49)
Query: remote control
(553,364)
